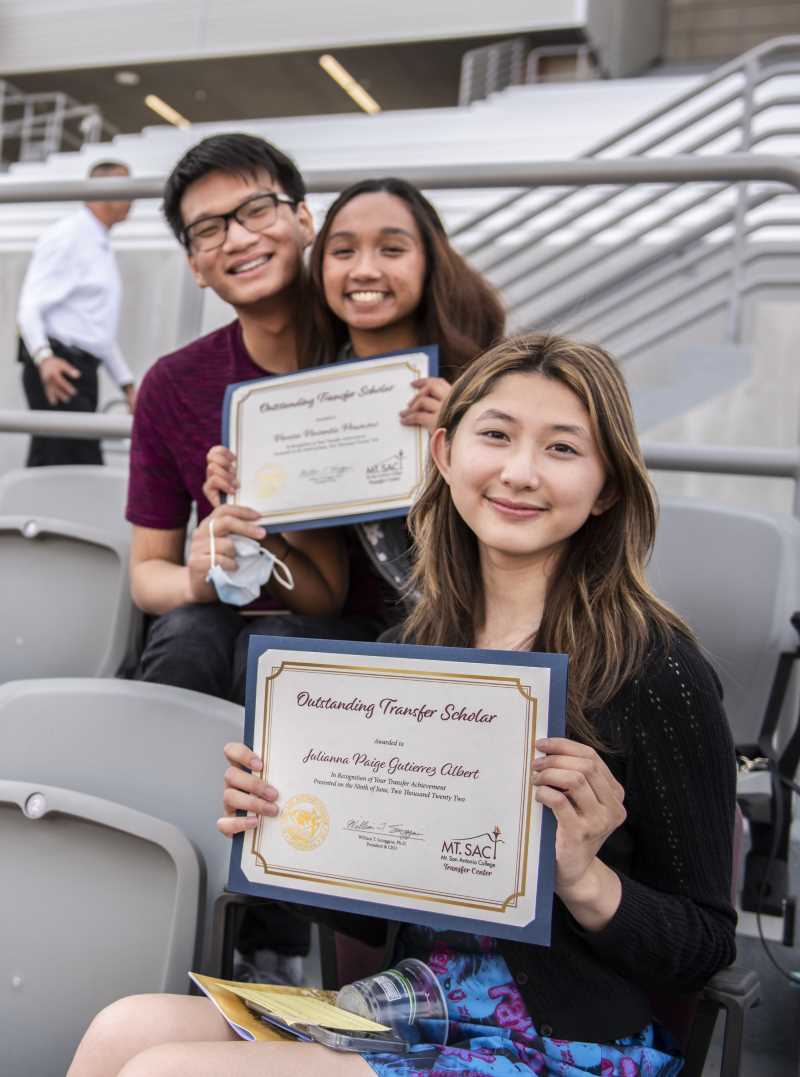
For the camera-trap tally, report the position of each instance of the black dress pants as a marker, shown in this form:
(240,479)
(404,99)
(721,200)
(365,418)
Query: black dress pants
(46,452)
(203,646)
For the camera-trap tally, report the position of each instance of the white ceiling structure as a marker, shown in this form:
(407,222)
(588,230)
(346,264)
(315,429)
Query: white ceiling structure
(41,35)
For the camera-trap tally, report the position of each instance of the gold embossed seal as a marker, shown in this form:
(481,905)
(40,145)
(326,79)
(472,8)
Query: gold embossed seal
(270,480)
(305,822)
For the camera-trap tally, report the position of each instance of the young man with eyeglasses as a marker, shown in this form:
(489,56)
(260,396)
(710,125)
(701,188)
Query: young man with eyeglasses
(236,204)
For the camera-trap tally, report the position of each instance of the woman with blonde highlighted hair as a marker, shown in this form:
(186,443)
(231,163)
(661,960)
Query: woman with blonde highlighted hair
(533,531)
(598,602)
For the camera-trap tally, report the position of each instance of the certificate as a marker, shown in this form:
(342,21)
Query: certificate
(325,445)
(405,782)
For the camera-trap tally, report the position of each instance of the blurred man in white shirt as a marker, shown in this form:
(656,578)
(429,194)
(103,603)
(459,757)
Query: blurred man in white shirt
(67,317)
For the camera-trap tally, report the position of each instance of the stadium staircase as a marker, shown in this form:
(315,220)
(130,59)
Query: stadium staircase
(673,279)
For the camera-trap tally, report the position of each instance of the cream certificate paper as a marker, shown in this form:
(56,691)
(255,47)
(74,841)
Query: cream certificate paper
(326,445)
(404,783)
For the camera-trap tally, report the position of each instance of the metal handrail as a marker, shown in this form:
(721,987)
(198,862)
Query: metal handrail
(659,456)
(702,311)
(723,168)
(727,169)
(65,424)
(520,260)
(46,127)
(563,249)
(732,67)
(614,280)
(511,252)
(697,287)
(693,290)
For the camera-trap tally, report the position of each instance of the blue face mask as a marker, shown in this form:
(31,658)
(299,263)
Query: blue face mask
(254,567)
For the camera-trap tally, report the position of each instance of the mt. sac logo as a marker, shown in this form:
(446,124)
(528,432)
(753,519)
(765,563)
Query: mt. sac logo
(482,845)
(390,469)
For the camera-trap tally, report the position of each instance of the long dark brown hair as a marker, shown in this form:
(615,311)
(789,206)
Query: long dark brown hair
(599,608)
(459,311)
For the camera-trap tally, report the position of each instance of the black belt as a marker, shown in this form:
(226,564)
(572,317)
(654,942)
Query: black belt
(66,351)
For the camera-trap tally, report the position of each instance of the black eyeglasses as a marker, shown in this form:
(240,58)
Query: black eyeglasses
(256,214)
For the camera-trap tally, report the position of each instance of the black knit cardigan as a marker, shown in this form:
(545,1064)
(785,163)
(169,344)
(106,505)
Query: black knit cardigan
(674,928)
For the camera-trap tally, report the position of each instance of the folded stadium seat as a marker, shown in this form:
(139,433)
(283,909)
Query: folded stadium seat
(82,495)
(151,747)
(103,904)
(67,609)
(91,497)
(734,575)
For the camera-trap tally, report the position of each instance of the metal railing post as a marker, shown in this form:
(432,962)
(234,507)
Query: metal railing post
(2,118)
(734,320)
(466,79)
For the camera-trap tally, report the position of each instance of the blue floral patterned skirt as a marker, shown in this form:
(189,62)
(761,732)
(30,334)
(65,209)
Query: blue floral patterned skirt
(491,1032)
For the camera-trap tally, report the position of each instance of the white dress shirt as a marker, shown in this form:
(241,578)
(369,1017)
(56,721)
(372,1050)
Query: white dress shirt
(72,291)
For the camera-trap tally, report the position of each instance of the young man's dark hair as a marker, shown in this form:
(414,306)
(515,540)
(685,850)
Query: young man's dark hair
(237,155)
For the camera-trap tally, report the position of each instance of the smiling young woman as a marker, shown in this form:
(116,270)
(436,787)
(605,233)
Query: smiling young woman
(382,259)
(533,530)
(562,438)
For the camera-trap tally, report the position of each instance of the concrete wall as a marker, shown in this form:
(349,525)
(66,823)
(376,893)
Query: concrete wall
(41,35)
(721,29)
(761,409)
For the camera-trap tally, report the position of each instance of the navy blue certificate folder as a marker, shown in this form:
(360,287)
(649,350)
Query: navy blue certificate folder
(344,890)
(358,515)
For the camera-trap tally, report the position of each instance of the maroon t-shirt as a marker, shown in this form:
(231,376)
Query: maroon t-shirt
(178,418)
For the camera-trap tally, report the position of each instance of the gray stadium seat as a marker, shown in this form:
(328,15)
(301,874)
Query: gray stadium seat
(150,747)
(102,902)
(735,576)
(92,497)
(67,609)
(82,495)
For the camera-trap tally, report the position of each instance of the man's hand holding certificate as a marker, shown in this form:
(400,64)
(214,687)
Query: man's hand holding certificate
(325,445)
(405,782)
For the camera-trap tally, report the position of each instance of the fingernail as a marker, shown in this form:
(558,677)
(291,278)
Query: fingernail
(251,822)
(262,532)
(543,743)
(256,763)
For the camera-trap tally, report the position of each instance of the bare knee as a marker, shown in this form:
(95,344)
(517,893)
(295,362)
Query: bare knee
(115,1035)
(165,1060)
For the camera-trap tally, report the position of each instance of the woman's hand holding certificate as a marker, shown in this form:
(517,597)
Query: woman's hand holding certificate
(328,444)
(397,781)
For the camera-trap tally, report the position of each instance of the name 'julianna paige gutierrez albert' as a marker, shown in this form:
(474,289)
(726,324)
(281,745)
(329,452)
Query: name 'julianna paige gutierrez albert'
(391,708)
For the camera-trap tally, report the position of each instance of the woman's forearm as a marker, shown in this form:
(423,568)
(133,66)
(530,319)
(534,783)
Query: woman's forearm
(595,898)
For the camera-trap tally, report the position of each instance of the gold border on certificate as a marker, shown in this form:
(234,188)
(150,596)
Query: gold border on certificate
(274,871)
(334,506)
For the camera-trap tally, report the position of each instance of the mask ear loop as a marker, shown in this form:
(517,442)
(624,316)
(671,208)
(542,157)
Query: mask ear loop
(284,576)
(213,544)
